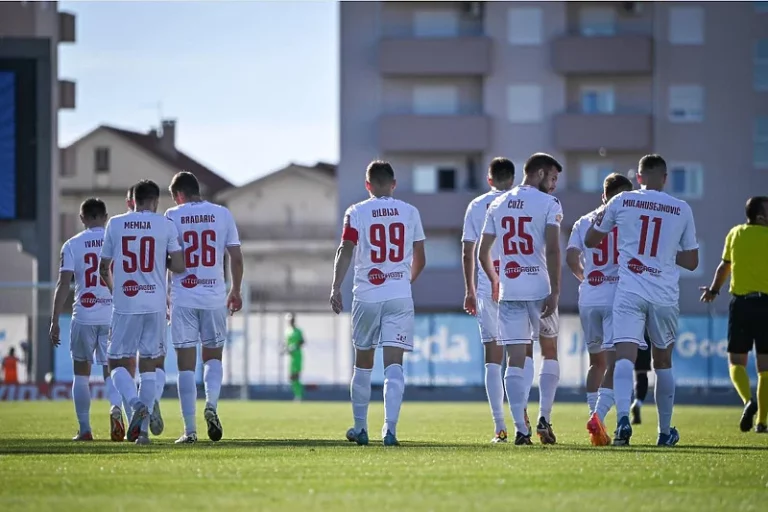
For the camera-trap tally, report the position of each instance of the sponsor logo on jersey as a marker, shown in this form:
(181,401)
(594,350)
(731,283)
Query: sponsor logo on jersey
(512,270)
(88,300)
(131,288)
(377,277)
(638,267)
(596,278)
(191,281)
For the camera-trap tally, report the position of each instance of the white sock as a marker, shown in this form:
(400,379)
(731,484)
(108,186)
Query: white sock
(112,393)
(147,392)
(605,401)
(188,396)
(514,380)
(622,386)
(159,383)
(81,395)
(360,395)
(549,378)
(494,387)
(664,394)
(592,401)
(394,387)
(212,377)
(528,372)
(124,383)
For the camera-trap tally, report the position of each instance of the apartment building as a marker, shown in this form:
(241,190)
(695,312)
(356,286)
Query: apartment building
(287,221)
(440,88)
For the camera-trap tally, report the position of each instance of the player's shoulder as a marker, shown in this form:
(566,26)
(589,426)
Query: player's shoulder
(587,219)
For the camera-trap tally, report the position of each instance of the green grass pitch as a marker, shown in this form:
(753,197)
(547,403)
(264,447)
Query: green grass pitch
(293,456)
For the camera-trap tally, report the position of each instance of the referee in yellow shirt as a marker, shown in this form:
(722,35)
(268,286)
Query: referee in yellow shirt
(745,258)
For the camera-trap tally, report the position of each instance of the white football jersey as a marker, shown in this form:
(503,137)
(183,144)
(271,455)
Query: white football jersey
(601,264)
(519,219)
(80,255)
(653,227)
(206,231)
(473,230)
(384,230)
(138,243)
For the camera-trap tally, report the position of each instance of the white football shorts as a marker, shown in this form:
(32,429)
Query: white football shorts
(383,324)
(488,319)
(632,315)
(597,323)
(144,333)
(550,326)
(519,321)
(191,326)
(88,343)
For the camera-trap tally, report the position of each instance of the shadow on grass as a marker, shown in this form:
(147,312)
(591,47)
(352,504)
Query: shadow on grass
(104,447)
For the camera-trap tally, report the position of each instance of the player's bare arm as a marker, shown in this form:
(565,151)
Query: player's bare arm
(486,262)
(468,264)
(573,259)
(594,237)
(176,262)
(723,271)
(234,299)
(552,236)
(689,260)
(340,267)
(105,265)
(419,260)
(59,298)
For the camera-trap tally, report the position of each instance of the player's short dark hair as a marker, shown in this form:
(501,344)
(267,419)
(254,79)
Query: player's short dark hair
(185,182)
(379,172)
(129,193)
(146,190)
(93,208)
(501,169)
(755,206)
(652,163)
(615,182)
(538,161)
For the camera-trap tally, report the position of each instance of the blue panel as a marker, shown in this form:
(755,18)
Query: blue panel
(7,145)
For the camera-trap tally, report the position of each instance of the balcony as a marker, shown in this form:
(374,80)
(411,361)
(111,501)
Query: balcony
(426,133)
(279,238)
(440,210)
(66,27)
(290,293)
(67,90)
(612,132)
(435,57)
(614,55)
(439,289)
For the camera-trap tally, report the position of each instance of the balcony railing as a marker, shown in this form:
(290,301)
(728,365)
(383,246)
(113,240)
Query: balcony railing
(266,231)
(289,292)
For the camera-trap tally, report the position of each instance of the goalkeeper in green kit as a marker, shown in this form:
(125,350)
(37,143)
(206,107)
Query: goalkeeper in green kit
(294,341)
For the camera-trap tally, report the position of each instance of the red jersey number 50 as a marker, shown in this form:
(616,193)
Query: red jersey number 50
(143,259)
(516,239)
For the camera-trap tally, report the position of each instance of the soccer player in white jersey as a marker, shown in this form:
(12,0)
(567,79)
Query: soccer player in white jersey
(140,243)
(656,234)
(598,272)
(527,286)
(199,299)
(477,300)
(91,313)
(386,239)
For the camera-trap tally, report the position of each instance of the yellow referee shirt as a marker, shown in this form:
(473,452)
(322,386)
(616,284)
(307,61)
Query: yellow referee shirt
(746,248)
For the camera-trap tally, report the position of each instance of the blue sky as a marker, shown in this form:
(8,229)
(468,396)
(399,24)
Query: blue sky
(253,85)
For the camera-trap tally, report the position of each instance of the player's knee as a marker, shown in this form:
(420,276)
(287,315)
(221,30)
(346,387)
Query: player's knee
(494,353)
(740,359)
(212,353)
(364,358)
(548,347)
(393,355)
(516,355)
(529,350)
(81,368)
(186,359)
(662,358)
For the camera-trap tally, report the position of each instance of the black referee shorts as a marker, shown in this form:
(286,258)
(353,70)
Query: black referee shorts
(643,361)
(748,324)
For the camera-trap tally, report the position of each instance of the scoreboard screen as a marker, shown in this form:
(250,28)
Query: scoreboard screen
(18,139)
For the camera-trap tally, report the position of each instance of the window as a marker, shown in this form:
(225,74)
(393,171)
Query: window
(431,178)
(524,25)
(101,159)
(761,6)
(435,100)
(686,180)
(597,99)
(760,157)
(443,251)
(686,25)
(593,175)
(761,65)
(524,103)
(686,103)
(700,269)
(597,21)
(437,23)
